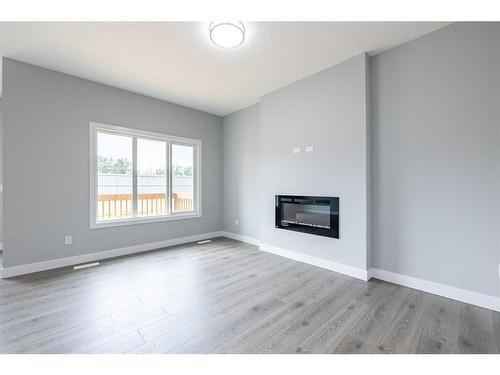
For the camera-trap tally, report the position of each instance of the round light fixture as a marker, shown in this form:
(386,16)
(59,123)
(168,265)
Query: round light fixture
(227,34)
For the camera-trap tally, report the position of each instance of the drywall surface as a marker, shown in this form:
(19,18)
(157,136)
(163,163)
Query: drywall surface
(1,175)
(329,112)
(241,172)
(46,118)
(436,155)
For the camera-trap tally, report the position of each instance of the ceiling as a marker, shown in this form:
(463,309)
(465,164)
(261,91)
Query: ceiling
(176,62)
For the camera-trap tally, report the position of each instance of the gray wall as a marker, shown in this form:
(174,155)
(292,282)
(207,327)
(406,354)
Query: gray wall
(1,174)
(328,111)
(241,171)
(436,155)
(46,136)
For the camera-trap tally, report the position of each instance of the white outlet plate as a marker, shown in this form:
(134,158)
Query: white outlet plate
(309,148)
(236,222)
(68,240)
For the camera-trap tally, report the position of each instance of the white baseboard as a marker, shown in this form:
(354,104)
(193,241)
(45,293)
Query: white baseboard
(71,261)
(358,273)
(239,237)
(467,296)
(315,261)
(462,295)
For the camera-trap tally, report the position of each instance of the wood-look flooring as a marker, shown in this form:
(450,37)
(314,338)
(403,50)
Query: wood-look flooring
(229,297)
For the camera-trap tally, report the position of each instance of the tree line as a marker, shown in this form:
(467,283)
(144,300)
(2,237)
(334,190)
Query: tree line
(109,165)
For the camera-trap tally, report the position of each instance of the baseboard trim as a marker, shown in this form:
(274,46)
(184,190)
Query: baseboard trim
(315,261)
(462,295)
(74,260)
(357,273)
(240,237)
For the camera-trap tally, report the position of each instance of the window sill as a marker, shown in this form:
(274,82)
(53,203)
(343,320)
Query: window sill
(144,220)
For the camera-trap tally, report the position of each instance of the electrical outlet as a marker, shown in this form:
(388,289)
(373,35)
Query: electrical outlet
(236,222)
(309,148)
(68,240)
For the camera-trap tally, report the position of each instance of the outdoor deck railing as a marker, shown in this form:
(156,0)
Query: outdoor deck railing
(112,206)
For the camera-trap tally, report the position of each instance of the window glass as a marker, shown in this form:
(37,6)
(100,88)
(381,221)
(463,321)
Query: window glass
(182,178)
(114,176)
(151,177)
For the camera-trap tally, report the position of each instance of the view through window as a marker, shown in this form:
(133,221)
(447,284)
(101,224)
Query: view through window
(182,178)
(114,165)
(151,177)
(161,183)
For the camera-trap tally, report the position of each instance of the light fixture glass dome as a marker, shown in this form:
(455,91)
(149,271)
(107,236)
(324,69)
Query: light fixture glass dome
(227,34)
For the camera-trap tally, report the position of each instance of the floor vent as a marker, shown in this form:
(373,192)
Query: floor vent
(204,241)
(87,265)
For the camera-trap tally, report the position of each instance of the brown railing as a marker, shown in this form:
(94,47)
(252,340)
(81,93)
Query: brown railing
(182,202)
(115,206)
(112,206)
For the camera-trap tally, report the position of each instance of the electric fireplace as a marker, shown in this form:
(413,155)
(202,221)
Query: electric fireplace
(313,215)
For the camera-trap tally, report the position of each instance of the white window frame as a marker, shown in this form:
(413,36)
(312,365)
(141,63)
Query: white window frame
(95,127)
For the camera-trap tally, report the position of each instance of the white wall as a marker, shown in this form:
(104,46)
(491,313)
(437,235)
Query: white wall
(46,118)
(436,157)
(241,172)
(328,111)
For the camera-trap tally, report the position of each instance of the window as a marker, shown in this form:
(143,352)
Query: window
(138,176)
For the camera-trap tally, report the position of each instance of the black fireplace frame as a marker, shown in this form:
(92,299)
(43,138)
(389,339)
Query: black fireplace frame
(332,202)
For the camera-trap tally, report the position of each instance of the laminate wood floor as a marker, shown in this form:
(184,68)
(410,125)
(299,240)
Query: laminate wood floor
(229,297)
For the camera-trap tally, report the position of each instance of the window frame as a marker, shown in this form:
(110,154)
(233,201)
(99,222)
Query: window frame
(95,128)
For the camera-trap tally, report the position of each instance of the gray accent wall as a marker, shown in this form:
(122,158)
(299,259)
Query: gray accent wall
(1,175)
(329,112)
(436,157)
(46,163)
(241,172)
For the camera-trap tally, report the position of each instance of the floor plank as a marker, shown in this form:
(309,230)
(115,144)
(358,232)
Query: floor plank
(475,334)
(440,333)
(403,335)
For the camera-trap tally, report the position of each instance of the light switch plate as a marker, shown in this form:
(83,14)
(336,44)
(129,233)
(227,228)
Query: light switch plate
(68,240)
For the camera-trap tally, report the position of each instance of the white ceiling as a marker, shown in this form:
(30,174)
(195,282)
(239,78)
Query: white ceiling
(176,62)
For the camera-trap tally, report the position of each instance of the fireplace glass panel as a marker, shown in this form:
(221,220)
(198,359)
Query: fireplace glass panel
(306,214)
(318,215)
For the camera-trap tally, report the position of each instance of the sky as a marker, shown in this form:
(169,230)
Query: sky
(151,155)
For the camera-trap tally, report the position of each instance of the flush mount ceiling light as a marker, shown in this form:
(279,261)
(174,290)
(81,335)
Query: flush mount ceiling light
(227,34)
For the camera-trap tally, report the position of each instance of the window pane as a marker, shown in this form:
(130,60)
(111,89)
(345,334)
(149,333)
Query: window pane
(114,176)
(182,178)
(151,177)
